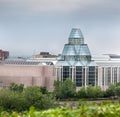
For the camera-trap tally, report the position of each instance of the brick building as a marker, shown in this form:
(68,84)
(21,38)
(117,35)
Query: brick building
(44,55)
(4,55)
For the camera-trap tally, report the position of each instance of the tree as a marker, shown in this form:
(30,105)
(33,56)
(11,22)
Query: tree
(110,91)
(117,91)
(33,96)
(57,89)
(98,92)
(90,92)
(94,92)
(43,90)
(16,87)
(82,93)
(64,90)
(68,89)
(10,100)
(20,101)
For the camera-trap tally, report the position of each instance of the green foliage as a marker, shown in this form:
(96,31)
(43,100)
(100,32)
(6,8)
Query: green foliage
(85,110)
(10,100)
(43,90)
(68,89)
(16,87)
(94,92)
(82,93)
(90,92)
(110,91)
(20,101)
(35,98)
(117,91)
(113,90)
(57,89)
(64,90)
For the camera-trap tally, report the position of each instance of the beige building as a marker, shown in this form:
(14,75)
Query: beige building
(27,74)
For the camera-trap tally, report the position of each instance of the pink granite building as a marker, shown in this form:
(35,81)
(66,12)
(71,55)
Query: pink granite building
(27,73)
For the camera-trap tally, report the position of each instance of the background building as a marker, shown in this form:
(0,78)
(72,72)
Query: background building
(108,69)
(29,74)
(44,55)
(4,55)
(75,62)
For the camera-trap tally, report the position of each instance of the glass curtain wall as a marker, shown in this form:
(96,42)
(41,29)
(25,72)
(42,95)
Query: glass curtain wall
(67,72)
(79,76)
(93,77)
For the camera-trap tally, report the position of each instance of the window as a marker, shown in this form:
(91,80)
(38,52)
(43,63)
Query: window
(92,76)
(79,78)
(67,72)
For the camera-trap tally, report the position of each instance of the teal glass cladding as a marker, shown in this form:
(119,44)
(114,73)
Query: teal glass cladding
(75,62)
(76,50)
(76,37)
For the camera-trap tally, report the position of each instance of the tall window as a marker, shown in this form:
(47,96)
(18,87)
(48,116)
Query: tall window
(115,75)
(79,78)
(96,77)
(92,76)
(109,75)
(67,72)
(103,80)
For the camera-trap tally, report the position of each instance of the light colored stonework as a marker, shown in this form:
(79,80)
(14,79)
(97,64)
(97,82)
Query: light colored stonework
(27,75)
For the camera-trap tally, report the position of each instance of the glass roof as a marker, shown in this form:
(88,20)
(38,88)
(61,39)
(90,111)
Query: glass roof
(76,50)
(69,50)
(84,50)
(76,36)
(76,63)
(76,33)
(76,53)
(63,63)
(92,63)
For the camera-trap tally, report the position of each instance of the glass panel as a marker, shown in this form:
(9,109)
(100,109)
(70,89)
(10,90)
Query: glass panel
(67,72)
(103,77)
(79,76)
(91,77)
(115,75)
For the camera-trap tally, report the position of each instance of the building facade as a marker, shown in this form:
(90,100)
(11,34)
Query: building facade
(44,55)
(76,63)
(27,74)
(108,69)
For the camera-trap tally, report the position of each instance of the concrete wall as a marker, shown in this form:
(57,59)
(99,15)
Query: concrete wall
(27,75)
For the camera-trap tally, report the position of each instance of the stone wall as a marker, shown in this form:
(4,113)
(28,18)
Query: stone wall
(27,75)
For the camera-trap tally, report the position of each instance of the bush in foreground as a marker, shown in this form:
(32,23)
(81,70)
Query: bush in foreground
(20,101)
(89,110)
(90,92)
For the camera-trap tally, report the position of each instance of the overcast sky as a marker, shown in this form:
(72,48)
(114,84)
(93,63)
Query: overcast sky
(28,27)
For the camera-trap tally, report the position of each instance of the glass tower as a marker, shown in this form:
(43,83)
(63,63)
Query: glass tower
(75,62)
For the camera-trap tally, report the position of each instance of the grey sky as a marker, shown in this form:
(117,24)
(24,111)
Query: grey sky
(30,26)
